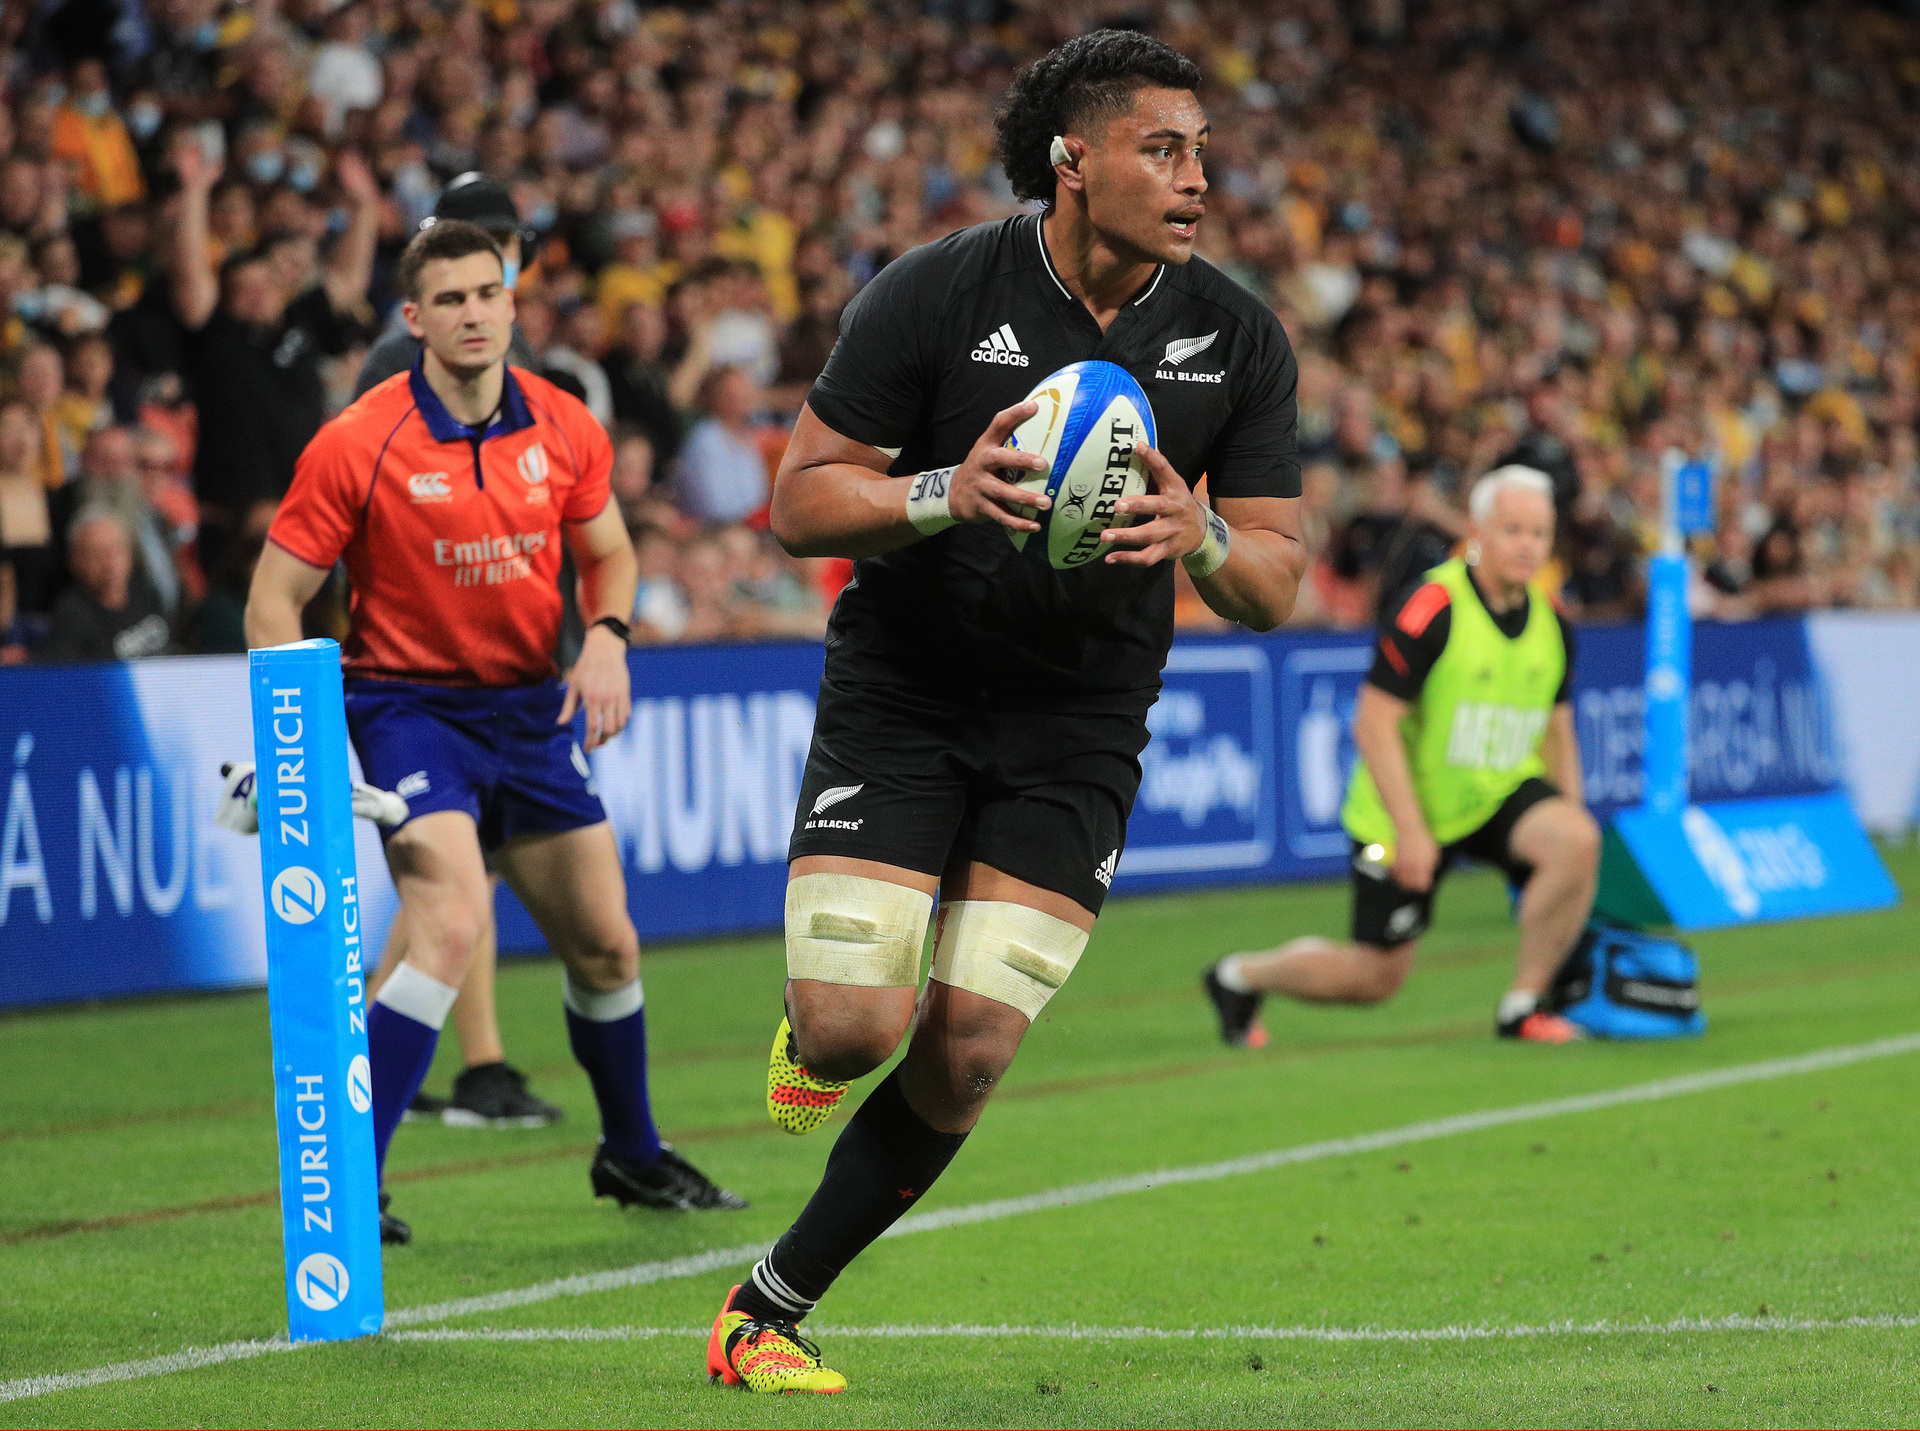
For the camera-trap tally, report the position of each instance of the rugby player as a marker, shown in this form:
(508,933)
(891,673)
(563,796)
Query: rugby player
(982,714)
(448,489)
(1467,747)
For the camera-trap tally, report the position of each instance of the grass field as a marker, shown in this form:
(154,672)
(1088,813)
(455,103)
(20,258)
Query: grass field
(1735,1255)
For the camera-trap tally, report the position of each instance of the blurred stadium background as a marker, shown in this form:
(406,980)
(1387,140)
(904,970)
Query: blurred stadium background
(1585,236)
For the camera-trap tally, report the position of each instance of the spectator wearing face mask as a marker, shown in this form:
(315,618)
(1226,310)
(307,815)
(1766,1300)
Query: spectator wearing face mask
(92,137)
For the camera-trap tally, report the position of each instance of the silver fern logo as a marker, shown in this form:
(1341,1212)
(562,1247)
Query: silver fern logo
(1180,349)
(829,798)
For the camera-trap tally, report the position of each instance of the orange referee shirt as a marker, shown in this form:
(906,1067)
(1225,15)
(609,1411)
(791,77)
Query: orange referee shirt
(451,537)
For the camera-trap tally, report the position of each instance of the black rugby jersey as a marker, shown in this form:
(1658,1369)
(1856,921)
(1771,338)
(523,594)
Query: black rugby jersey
(953,332)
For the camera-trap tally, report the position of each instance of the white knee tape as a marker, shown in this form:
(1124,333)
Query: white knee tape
(846,929)
(1006,952)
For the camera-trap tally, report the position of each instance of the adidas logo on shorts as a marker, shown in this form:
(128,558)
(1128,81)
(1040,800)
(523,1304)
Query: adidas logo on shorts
(1106,870)
(1000,346)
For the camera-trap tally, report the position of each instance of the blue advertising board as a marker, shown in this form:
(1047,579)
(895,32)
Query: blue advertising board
(114,880)
(1753,861)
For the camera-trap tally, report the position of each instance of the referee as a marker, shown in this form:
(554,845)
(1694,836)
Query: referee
(982,714)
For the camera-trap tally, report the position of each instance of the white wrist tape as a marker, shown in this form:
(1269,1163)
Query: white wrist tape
(1214,549)
(848,929)
(927,501)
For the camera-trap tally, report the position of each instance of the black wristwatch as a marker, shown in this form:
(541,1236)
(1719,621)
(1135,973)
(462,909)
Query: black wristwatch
(617,627)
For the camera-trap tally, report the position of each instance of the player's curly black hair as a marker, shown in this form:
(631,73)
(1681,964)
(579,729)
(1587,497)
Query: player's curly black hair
(1092,76)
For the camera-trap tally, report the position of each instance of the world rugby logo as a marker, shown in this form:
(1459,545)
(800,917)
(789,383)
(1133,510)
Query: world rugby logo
(321,1281)
(533,464)
(298,895)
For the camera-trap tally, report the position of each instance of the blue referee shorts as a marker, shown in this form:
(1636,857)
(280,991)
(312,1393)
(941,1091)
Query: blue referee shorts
(492,751)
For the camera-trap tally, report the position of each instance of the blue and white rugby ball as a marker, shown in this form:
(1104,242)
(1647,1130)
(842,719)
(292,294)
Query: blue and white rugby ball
(1092,415)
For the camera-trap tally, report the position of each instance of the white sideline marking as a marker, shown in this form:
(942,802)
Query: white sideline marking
(1073,1331)
(697,1263)
(187,1360)
(1078,1193)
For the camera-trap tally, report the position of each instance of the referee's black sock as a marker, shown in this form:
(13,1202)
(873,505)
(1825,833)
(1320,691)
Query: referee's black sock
(885,1160)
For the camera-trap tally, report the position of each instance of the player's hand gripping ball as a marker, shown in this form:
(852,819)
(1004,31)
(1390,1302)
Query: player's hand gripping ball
(1092,416)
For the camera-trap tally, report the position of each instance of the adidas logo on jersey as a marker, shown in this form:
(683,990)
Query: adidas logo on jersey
(429,487)
(1000,346)
(1106,870)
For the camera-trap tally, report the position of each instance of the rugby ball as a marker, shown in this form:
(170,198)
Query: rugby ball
(1092,415)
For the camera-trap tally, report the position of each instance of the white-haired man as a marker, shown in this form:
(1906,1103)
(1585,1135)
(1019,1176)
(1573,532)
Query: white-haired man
(1467,747)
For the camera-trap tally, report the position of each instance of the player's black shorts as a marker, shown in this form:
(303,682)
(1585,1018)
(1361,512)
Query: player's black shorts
(905,778)
(1386,913)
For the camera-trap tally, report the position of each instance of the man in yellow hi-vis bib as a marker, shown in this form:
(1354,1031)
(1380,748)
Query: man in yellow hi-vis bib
(1467,747)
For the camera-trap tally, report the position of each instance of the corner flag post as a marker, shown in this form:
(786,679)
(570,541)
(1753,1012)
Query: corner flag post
(316,993)
(1669,679)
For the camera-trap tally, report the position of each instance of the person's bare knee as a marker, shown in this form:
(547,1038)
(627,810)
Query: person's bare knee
(843,1031)
(444,945)
(962,1046)
(1381,972)
(605,959)
(1560,837)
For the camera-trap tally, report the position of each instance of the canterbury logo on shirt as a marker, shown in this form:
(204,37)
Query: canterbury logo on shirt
(1000,346)
(1489,735)
(429,487)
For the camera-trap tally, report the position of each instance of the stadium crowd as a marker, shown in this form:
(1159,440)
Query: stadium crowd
(1585,237)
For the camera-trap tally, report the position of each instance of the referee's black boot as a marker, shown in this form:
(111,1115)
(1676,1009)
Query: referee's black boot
(672,1183)
(393,1232)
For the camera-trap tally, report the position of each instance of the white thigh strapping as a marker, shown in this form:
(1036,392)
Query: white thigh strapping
(847,929)
(1006,952)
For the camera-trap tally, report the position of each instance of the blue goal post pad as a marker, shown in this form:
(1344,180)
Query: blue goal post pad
(316,993)
(1731,862)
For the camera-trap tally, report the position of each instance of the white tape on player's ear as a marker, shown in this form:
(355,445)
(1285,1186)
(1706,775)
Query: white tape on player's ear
(1058,153)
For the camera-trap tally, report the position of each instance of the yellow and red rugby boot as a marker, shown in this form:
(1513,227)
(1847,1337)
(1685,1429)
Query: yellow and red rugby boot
(796,1100)
(765,1356)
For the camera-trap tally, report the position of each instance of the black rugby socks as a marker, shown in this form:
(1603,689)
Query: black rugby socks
(880,1167)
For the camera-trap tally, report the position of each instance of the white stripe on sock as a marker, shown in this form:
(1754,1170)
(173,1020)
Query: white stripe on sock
(1230,976)
(421,997)
(775,1290)
(606,1007)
